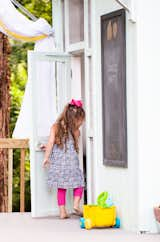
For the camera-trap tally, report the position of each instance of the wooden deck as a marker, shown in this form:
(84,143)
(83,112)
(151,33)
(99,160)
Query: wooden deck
(21,227)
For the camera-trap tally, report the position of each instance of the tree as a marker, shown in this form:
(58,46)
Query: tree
(4,115)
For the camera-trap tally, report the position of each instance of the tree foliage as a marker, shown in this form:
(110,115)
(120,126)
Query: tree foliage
(18,64)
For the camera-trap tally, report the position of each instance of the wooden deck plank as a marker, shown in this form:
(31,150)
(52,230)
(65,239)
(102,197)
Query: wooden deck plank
(22,181)
(10,178)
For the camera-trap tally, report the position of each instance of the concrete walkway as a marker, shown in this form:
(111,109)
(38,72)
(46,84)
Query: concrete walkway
(16,227)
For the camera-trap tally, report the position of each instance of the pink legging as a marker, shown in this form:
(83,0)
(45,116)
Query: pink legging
(61,194)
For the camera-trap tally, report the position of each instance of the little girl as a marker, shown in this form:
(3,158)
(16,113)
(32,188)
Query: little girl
(61,153)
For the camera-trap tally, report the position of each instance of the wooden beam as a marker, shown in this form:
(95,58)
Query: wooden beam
(22,181)
(10,178)
(14,143)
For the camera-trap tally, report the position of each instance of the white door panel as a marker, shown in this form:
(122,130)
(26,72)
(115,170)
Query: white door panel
(49,74)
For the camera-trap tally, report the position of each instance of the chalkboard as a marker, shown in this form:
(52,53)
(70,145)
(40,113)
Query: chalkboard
(114,88)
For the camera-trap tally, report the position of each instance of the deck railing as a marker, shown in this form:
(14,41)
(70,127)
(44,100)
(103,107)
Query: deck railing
(11,144)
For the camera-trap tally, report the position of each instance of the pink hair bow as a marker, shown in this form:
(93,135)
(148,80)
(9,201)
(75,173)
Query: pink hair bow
(77,103)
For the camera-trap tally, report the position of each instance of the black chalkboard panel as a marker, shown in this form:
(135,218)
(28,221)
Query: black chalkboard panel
(114,89)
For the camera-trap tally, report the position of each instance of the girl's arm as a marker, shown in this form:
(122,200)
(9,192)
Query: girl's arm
(77,133)
(49,145)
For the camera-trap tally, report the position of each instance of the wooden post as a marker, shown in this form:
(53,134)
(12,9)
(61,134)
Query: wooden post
(10,178)
(22,181)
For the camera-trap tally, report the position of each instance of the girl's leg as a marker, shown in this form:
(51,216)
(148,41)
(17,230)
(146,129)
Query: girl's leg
(77,192)
(61,197)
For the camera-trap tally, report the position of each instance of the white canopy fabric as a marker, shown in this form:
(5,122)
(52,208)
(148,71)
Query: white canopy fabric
(16,25)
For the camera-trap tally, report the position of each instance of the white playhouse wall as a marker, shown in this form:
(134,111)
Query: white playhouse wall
(134,189)
(148,52)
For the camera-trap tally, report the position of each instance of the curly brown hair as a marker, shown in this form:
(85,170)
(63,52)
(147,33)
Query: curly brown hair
(67,121)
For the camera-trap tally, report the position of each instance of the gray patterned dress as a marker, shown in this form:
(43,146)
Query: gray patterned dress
(64,171)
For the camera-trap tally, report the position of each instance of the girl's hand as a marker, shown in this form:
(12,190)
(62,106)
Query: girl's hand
(46,162)
(48,147)
(43,147)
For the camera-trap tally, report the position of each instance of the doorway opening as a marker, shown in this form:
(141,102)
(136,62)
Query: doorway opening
(78,92)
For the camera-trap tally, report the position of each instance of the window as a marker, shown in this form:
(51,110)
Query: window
(76,21)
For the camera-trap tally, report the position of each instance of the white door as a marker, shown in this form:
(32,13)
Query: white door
(49,76)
